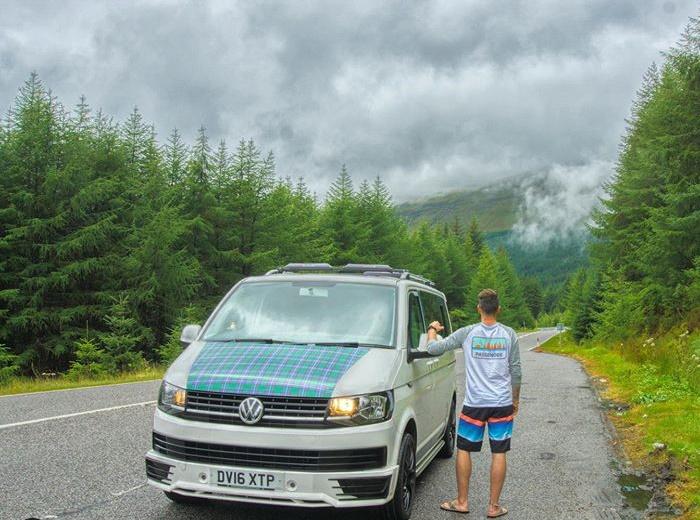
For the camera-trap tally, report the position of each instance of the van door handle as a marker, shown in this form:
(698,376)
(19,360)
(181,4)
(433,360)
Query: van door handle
(431,363)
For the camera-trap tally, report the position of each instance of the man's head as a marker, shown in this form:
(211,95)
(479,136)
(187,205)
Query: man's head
(488,303)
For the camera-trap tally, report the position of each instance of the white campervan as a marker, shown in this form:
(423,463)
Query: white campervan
(308,386)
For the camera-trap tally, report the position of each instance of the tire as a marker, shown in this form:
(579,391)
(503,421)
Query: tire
(182,499)
(450,436)
(401,505)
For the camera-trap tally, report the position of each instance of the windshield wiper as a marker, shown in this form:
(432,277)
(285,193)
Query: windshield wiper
(244,340)
(267,341)
(349,344)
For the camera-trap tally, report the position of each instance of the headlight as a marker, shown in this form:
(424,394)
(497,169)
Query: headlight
(172,398)
(361,409)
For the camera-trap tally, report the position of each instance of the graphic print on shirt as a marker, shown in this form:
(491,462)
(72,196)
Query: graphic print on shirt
(489,348)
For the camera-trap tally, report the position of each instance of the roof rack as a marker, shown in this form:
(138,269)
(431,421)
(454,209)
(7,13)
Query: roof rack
(364,269)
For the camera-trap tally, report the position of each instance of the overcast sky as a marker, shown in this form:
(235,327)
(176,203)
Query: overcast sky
(431,96)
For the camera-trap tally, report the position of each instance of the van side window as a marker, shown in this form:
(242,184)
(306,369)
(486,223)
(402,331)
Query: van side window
(445,319)
(415,321)
(435,310)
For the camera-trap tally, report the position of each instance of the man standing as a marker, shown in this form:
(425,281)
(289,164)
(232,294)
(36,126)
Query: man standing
(492,366)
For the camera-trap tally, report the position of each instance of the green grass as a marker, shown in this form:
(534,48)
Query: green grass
(21,385)
(664,407)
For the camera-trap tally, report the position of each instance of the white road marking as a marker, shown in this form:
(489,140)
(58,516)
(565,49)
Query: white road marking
(539,344)
(120,493)
(76,414)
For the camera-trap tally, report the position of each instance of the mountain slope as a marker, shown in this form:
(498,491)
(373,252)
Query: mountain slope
(495,206)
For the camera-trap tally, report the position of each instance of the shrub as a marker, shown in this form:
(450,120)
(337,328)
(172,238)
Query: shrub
(90,361)
(8,364)
(172,348)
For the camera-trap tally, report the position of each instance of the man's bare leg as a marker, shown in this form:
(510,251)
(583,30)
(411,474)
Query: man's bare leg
(464,473)
(498,477)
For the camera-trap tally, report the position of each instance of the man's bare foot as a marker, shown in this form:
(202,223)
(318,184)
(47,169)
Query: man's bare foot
(496,510)
(455,506)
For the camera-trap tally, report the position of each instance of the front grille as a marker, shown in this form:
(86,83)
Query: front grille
(270,458)
(158,470)
(363,488)
(294,412)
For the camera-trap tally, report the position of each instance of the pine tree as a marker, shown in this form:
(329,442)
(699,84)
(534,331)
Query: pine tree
(122,337)
(459,268)
(381,235)
(477,237)
(338,220)
(514,309)
(533,294)
(647,229)
(485,277)
(175,158)
(249,205)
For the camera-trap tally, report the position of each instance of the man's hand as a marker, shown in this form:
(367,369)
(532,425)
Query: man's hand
(433,330)
(516,400)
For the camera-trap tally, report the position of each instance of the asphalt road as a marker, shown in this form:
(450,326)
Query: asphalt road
(78,465)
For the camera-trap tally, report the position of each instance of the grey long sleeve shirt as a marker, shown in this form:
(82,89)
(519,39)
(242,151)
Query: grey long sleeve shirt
(492,362)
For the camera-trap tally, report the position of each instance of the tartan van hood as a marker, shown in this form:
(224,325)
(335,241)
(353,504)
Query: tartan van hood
(262,369)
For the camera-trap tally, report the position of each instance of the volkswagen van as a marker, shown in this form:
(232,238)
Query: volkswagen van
(308,386)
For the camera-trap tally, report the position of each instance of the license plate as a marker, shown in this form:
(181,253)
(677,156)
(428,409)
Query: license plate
(246,479)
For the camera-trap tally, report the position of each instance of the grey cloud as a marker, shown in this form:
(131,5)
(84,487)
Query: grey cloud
(431,96)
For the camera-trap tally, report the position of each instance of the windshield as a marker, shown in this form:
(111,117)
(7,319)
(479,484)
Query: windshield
(307,312)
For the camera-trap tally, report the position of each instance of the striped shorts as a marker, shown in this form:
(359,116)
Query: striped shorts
(473,421)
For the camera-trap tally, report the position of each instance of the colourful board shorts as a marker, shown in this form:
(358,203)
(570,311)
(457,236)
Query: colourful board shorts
(472,422)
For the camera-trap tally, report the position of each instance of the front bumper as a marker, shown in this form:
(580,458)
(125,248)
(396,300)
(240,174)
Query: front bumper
(299,488)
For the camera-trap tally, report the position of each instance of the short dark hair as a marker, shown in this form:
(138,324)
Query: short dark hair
(488,301)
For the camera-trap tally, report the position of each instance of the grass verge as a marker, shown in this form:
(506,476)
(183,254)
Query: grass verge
(21,385)
(662,409)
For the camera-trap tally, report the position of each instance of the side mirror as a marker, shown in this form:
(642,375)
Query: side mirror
(189,334)
(418,354)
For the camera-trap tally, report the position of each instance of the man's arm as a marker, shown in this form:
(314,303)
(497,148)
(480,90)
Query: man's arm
(454,341)
(516,374)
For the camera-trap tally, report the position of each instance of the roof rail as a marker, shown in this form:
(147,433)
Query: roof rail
(364,269)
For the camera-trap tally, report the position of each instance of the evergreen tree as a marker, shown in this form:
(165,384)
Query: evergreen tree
(485,277)
(514,309)
(533,294)
(477,237)
(382,236)
(459,269)
(175,158)
(122,337)
(338,220)
(647,228)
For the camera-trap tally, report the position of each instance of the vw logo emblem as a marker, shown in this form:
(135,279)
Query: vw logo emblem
(250,410)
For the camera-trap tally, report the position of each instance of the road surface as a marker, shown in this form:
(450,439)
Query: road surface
(78,465)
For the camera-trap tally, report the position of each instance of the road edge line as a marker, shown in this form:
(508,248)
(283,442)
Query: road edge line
(75,414)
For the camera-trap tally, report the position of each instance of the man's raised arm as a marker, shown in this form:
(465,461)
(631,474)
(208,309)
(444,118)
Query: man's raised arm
(452,342)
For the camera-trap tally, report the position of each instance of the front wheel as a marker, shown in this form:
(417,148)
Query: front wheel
(401,505)
(449,438)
